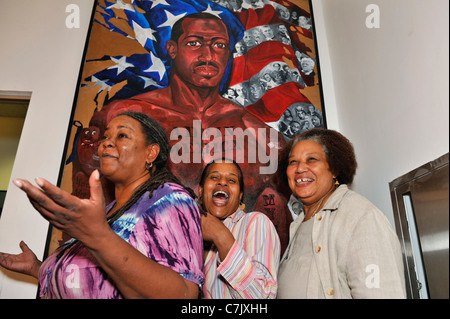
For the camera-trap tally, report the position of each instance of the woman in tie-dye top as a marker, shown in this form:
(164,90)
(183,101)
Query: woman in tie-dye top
(243,259)
(149,246)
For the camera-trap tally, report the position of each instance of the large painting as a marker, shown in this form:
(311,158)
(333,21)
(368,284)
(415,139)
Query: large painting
(241,93)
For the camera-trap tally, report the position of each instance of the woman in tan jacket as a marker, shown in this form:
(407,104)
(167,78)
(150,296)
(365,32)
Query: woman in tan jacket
(341,245)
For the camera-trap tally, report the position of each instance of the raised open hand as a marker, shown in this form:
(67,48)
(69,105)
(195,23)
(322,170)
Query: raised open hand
(82,219)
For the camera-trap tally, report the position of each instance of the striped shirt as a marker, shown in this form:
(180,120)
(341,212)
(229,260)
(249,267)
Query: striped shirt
(250,268)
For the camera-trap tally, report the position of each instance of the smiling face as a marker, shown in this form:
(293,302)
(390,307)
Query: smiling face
(221,191)
(201,55)
(308,172)
(124,151)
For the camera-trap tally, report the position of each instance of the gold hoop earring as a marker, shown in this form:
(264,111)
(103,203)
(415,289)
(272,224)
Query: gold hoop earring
(148,166)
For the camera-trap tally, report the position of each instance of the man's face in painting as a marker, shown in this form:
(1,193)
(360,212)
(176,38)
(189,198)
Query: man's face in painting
(201,55)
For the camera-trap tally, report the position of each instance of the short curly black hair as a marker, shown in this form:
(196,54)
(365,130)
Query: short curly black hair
(338,150)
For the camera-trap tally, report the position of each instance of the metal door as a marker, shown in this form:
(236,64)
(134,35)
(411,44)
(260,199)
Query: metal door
(421,209)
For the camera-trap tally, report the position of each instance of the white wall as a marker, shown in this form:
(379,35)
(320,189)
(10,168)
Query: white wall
(38,53)
(390,85)
(386,89)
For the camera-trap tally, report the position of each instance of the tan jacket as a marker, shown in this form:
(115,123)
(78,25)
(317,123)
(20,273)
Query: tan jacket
(357,253)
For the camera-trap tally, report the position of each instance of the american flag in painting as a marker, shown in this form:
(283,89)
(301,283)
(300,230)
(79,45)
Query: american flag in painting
(272,72)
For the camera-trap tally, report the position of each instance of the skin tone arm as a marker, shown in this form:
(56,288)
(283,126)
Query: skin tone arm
(26,263)
(215,231)
(135,275)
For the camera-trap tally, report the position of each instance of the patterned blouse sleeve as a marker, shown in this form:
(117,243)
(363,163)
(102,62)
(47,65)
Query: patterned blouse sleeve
(169,233)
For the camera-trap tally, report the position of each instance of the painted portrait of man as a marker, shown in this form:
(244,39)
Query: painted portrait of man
(176,61)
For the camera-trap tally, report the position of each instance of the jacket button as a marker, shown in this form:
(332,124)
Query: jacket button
(329,291)
(318,249)
(319,217)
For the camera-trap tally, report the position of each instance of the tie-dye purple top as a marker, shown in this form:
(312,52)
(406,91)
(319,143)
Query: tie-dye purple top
(166,228)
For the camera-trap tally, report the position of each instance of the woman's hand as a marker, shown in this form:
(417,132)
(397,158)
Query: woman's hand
(215,231)
(83,219)
(211,227)
(25,263)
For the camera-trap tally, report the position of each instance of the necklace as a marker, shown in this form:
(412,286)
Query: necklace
(319,203)
(316,209)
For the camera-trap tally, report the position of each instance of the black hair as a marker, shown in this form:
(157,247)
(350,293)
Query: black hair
(177,29)
(160,175)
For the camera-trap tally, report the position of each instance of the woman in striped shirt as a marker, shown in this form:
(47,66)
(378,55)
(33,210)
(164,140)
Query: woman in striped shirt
(242,260)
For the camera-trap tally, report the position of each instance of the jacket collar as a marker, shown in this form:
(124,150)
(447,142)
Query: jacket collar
(295,206)
(333,202)
(235,217)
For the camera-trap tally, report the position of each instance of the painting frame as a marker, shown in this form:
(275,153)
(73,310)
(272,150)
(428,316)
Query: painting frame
(92,88)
